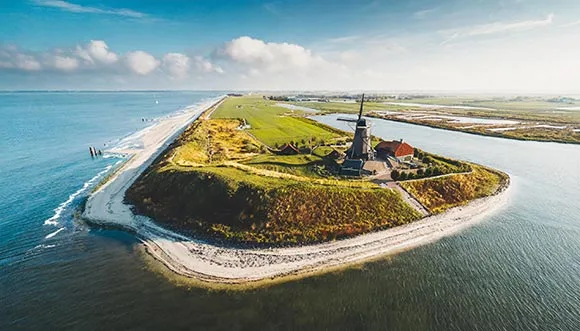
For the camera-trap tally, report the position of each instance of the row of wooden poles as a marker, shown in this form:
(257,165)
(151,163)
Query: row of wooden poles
(95,152)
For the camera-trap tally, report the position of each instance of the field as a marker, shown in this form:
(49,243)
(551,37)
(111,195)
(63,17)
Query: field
(270,124)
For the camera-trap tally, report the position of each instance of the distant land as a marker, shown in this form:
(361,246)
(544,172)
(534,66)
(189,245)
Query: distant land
(537,118)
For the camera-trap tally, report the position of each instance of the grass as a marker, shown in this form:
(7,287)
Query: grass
(271,124)
(440,194)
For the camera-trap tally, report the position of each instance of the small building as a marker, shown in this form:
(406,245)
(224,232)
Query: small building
(352,167)
(396,148)
(288,149)
(334,155)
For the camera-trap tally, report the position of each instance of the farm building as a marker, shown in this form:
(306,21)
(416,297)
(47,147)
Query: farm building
(288,149)
(396,148)
(352,167)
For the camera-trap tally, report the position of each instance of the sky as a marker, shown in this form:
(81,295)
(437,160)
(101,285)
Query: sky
(508,46)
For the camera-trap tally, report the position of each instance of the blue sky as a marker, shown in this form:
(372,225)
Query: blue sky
(467,45)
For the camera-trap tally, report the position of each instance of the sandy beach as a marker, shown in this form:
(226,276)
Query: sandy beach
(211,263)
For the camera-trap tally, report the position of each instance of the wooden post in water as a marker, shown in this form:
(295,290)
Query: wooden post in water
(92,151)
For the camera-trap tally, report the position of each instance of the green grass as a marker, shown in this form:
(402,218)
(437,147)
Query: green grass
(299,165)
(270,124)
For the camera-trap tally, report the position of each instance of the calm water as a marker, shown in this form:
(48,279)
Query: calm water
(520,269)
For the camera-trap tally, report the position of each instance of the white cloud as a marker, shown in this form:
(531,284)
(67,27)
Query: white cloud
(74,8)
(65,63)
(141,63)
(271,57)
(96,51)
(177,65)
(12,58)
(205,66)
(27,62)
(496,28)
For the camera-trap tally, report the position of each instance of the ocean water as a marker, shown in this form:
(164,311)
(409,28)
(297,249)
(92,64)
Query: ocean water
(519,269)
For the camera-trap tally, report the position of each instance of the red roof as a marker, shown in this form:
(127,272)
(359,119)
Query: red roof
(396,147)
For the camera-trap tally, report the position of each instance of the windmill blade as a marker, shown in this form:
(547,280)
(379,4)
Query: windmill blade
(362,101)
(347,119)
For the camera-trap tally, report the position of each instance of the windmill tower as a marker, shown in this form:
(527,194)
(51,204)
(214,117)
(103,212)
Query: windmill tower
(361,147)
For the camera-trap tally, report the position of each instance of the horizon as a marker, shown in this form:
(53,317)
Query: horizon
(422,46)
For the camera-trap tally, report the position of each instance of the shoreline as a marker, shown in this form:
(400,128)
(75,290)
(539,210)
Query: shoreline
(211,264)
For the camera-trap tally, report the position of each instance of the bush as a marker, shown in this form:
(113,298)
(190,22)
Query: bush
(395,174)
(403,176)
(420,172)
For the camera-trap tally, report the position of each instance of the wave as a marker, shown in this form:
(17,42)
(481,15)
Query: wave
(59,210)
(133,140)
(50,235)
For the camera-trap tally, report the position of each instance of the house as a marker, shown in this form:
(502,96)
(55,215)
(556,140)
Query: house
(396,148)
(352,167)
(288,149)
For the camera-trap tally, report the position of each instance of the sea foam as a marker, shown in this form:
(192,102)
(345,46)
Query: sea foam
(58,210)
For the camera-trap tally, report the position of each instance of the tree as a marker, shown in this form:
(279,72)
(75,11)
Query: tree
(403,176)
(395,174)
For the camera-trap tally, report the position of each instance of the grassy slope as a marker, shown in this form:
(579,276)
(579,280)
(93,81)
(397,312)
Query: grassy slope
(440,194)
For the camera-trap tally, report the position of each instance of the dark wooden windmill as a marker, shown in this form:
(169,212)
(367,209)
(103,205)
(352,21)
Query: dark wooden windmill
(361,147)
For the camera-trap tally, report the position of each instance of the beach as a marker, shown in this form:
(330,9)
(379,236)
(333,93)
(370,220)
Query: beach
(211,263)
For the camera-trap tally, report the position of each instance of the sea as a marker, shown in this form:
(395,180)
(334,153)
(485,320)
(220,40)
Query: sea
(519,269)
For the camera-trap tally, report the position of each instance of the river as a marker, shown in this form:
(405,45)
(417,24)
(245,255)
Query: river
(519,269)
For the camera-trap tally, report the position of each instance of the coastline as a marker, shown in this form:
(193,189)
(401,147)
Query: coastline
(208,263)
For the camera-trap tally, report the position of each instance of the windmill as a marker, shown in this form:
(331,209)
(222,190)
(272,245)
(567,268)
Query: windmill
(361,147)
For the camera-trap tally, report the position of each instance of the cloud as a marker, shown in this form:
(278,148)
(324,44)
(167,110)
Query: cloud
(271,57)
(65,63)
(141,63)
(205,66)
(496,28)
(96,51)
(421,14)
(74,8)
(567,25)
(11,58)
(177,65)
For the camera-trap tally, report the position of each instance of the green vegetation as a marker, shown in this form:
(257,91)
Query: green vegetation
(271,124)
(442,193)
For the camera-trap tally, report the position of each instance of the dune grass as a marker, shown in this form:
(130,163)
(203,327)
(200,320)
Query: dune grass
(440,194)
